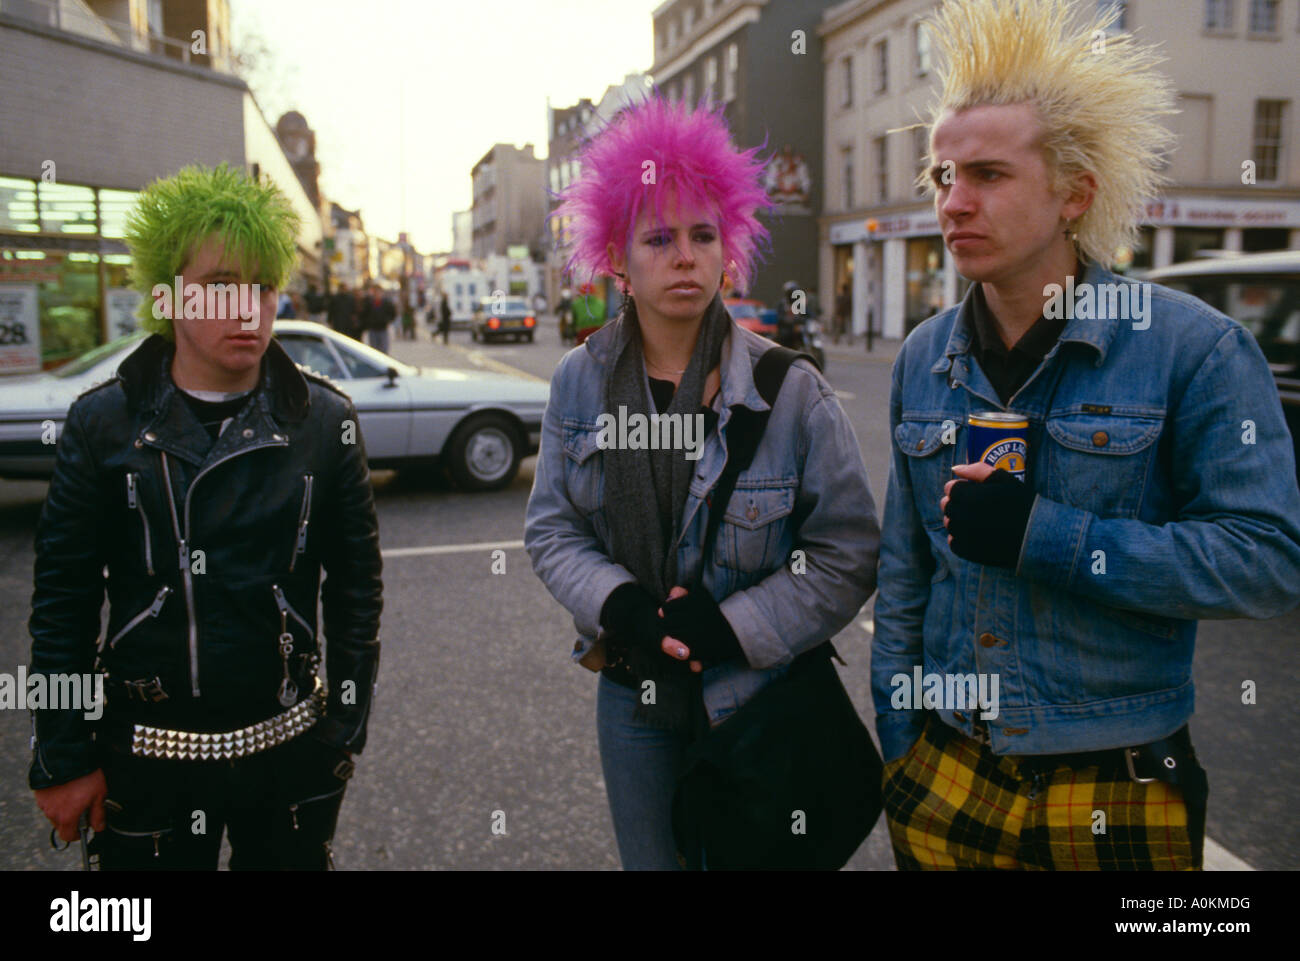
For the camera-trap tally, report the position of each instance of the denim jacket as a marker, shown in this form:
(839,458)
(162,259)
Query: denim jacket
(1166,492)
(806,490)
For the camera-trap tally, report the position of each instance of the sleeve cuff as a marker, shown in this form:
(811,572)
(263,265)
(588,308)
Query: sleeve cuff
(898,731)
(1054,537)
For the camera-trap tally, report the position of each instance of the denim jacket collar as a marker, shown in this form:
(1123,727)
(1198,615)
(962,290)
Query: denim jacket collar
(735,367)
(1097,333)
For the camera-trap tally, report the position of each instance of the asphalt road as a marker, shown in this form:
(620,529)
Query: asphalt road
(482,718)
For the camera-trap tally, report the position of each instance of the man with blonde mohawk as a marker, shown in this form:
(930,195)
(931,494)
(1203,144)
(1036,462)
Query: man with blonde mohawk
(204,488)
(1067,597)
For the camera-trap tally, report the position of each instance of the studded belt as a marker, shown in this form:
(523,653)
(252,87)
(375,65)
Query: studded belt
(193,746)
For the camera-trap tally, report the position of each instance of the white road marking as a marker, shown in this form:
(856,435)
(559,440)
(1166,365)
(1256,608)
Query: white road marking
(479,359)
(451,549)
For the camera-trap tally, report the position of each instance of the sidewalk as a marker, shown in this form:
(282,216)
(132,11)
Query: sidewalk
(883,350)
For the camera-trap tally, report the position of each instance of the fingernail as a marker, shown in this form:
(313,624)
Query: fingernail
(681,652)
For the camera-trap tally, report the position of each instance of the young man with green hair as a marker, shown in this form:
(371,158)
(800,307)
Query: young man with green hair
(205,487)
(1157,479)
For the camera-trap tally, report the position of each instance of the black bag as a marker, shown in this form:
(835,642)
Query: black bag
(791,780)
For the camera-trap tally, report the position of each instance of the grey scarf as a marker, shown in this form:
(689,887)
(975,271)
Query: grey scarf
(645,493)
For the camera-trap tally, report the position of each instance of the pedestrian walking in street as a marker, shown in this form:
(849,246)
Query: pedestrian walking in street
(843,313)
(317,304)
(343,312)
(682,631)
(211,446)
(378,315)
(1122,470)
(444,319)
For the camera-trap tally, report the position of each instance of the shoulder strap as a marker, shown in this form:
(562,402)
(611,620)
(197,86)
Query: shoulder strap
(744,431)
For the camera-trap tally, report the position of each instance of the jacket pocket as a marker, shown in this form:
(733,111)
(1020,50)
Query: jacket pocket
(304,517)
(929,462)
(754,536)
(583,469)
(1099,462)
(136,503)
(153,610)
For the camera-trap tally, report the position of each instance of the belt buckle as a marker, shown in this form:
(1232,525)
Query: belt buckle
(1129,754)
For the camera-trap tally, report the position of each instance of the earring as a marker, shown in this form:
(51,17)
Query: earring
(1070,233)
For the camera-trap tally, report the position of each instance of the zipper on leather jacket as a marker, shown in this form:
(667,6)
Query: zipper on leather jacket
(153,610)
(183,558)
(283,604)
(303,516)
(133,501)
(182,545)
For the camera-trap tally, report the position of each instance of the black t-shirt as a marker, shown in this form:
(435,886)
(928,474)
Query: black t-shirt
(1007,370)
(212,414)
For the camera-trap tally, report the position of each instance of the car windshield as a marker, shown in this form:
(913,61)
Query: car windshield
(363,360)
(90,358)
(1267,306)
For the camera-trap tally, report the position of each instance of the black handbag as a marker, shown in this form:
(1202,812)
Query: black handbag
(791,781)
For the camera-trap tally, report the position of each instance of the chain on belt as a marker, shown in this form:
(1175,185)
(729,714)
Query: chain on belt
(159,742)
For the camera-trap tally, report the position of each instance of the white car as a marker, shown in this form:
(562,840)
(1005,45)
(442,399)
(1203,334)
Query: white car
(479,425)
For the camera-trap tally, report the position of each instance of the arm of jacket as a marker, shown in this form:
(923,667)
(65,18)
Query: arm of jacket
(906,568)
(567,556)
(351,596)
(68,595)
(1233,549)
(786,613)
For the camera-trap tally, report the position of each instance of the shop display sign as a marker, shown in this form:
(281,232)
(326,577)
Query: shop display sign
(20,329)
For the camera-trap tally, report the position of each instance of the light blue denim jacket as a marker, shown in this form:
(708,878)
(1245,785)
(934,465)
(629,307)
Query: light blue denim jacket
(805,490)
(1141,457)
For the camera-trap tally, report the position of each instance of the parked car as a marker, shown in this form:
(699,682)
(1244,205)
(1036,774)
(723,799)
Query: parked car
(478,425)
(511,317)
(750,314)
(1262,293)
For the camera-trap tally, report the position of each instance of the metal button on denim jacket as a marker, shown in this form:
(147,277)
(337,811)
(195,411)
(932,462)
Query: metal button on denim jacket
(1152,512)
(806,489)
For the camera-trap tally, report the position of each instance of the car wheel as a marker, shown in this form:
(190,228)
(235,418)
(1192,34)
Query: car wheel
(484,453)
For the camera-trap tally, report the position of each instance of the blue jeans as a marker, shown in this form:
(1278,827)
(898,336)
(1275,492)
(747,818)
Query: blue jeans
(378,339)
(641,763)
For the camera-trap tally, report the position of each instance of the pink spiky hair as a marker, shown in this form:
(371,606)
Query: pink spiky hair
(693,156)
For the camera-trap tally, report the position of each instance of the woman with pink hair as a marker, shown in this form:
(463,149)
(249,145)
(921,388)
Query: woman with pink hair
(635,439)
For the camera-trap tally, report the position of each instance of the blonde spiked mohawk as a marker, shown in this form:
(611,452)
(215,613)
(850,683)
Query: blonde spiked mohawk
(1098,97)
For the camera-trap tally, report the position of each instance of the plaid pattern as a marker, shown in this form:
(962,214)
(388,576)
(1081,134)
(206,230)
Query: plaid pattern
(951,803)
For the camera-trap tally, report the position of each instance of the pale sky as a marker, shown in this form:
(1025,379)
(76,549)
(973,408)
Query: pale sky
(437,83)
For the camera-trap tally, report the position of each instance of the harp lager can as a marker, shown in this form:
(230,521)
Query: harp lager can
(997,438)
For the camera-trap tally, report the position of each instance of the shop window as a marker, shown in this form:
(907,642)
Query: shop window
(18,205)
(66,209)
(114,207)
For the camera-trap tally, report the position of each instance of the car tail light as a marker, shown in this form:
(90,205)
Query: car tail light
(493,323)
(530,321)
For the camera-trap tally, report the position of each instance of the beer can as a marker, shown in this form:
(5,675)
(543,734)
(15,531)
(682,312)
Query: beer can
(998,439)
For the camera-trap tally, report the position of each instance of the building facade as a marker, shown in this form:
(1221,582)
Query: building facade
(98,103)
(762,60)
(509,201)
(879,235)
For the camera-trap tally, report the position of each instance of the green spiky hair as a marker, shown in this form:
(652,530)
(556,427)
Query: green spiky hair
(175,215)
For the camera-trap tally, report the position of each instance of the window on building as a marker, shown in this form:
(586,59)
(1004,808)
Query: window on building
(688,89)
(710,77)
(1263,16)
(920,150)
(18,205)
(66,209)
(114,207)
(882,65)
(1121,22)
(672,33)
(846,94)
(733,70)
(882,169)
(690,20)
(1269,115)
(846,163)
(708,8)
(1218,14)
(924,57)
